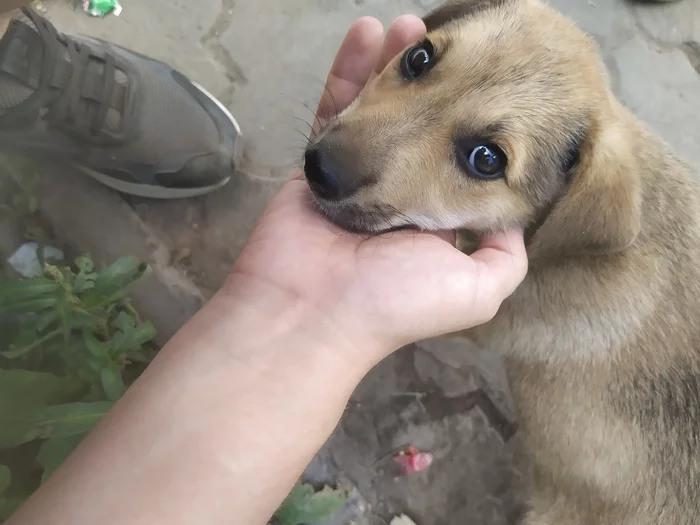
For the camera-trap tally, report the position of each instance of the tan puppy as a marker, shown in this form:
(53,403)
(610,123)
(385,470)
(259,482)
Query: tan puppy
(503,116)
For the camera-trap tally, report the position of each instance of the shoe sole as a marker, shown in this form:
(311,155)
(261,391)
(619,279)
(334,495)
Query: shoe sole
(150,192)
(161,192)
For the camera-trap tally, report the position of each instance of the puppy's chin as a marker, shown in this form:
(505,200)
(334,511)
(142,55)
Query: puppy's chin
(371,219)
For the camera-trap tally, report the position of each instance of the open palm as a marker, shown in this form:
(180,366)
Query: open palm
(392,288)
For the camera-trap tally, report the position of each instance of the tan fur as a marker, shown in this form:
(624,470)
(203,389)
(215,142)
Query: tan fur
(602,339)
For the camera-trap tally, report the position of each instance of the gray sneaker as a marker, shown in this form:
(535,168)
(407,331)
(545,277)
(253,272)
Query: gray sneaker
(129,121)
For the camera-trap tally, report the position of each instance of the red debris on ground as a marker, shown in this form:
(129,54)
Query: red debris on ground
(411,460)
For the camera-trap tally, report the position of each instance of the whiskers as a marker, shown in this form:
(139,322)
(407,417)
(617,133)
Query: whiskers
(328,214)
(351,220)
(404,220)
(327,112)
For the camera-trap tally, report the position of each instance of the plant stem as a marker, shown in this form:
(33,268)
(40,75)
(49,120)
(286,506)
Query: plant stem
(39,341)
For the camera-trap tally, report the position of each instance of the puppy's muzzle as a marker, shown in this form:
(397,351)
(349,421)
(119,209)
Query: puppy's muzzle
(332,175)
(342,181)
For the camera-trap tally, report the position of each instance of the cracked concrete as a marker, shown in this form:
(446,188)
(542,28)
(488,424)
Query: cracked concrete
(669,25)
(692,51)
(266,60)
(211,40)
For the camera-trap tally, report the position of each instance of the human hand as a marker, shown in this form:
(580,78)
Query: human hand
(276,354)
(376,293)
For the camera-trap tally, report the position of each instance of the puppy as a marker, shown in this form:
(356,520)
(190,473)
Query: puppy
(501,117)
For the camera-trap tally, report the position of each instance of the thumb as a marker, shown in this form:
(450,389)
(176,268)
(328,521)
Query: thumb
(503,261)
(472,293)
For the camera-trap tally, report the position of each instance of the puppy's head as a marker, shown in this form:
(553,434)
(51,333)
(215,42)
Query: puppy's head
(500,117)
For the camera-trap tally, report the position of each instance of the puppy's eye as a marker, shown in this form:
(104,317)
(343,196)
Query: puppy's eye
(486,161)
(417,60)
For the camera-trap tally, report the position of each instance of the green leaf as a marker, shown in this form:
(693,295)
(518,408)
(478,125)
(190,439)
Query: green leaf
(16,432)
(66,357)
(8,506)
(132,337)
(64,316)
(54,451)
(112,383)
(112,282)
(95,347)
(18,291)
(31,204)
(22,390)
(16,353)
(86,277)
(84,282)
(124,322)
(23,394)
(70,419)
(85,263)
(33,305)
(20,348)
(5,478)
(84,319)
(305,505)
(141,356)
(44,320)
(124,267)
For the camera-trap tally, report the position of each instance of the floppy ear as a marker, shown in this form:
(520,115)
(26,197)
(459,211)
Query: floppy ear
(600,212)
(456,9)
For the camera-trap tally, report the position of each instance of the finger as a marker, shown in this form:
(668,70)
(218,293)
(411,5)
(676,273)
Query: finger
(504,264)
(449,236)
(403,32)
(352,67)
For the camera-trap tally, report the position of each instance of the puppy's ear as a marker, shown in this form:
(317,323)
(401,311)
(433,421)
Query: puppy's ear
(600,212)
(457,9)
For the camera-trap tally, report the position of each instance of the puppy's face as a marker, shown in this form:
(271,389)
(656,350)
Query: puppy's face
(479,126)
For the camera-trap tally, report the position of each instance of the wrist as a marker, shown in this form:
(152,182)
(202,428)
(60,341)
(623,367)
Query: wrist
(271,364)
(264,319)
(248,379)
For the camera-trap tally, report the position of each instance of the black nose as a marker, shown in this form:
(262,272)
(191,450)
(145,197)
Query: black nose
(324,177)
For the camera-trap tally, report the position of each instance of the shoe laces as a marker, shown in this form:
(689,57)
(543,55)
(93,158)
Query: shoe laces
(69,108)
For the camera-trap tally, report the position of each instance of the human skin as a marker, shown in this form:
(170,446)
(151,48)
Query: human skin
(224,420)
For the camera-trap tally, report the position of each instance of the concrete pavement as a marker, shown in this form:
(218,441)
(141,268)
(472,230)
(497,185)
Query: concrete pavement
(266,60)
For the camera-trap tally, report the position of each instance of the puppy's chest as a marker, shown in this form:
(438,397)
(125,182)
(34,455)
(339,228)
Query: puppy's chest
(590,307)
(560,314)
(568,419)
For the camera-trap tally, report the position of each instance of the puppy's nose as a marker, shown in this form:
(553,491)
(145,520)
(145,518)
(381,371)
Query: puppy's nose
(324,176)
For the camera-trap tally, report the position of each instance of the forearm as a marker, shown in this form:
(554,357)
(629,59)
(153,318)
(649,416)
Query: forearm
(216,431)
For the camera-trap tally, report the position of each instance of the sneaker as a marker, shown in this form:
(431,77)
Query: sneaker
(129,121)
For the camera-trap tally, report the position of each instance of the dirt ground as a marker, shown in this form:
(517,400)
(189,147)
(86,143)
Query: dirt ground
(266,60)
